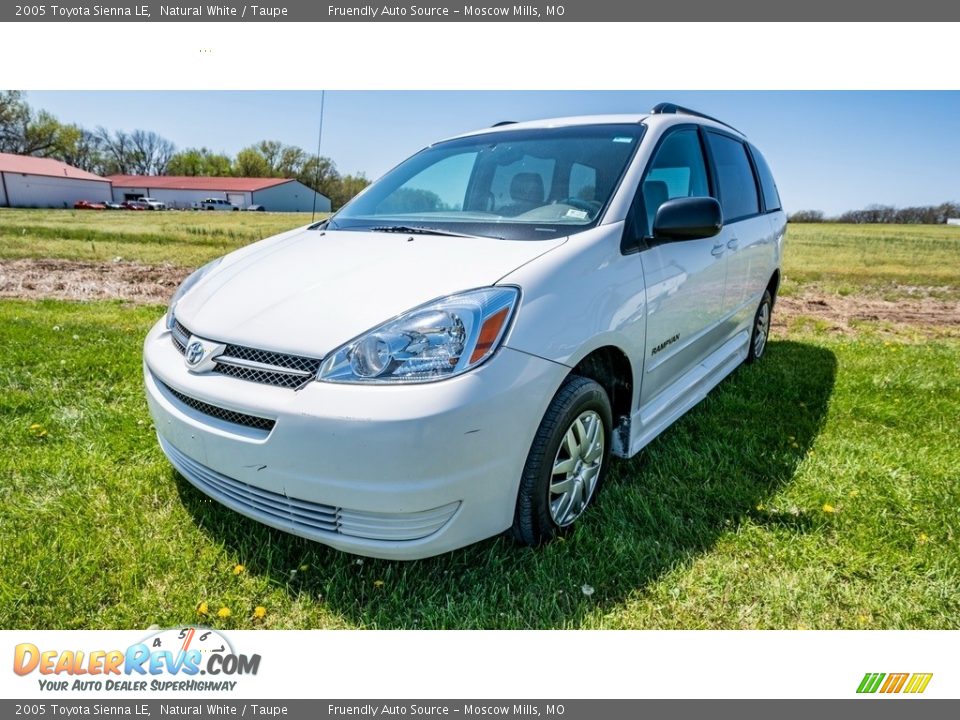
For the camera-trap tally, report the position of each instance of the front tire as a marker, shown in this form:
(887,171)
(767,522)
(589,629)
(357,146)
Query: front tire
(567,462)
(761,328)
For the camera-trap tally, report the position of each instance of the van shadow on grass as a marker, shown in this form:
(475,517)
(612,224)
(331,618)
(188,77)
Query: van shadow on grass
(714,469)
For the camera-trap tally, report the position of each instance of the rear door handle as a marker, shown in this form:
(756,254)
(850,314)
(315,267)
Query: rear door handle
(717,250)
(733,243)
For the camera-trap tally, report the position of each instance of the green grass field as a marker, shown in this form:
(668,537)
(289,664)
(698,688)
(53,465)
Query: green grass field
(816,489)
(178,237)
(887,260)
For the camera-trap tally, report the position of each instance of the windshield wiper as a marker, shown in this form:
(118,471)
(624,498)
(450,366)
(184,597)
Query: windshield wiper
(421,230)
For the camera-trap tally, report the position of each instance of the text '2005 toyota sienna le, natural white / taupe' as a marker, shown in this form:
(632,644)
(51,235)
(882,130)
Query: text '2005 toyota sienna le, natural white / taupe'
(460,349)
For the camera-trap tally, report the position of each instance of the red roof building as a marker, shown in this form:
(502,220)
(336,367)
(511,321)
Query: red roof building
(184,192)
(27,181)
(186,182)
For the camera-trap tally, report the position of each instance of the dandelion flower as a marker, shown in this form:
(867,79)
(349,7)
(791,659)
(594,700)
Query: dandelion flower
(203,608)
(923,538)
(237,569)
(378,583)
(304,568)
(828,508)
(224,612)
(259,612)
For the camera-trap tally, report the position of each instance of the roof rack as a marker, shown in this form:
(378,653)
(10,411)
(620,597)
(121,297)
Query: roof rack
(673,109)
(504,122)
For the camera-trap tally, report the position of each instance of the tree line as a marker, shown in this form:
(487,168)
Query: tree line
(886,214)
(27,131)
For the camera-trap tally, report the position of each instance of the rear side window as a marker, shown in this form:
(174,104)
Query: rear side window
(738,189)
(771,198)
(677,171)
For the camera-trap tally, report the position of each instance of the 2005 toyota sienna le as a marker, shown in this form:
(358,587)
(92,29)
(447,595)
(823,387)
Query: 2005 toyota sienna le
(460,349)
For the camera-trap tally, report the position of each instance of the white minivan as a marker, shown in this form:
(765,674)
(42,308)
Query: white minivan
(460,349)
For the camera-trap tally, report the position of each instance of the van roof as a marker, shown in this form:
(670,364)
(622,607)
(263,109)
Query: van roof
(664,115)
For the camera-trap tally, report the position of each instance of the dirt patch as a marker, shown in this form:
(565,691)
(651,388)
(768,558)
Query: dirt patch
(72,280)
(843,311)
(154,284)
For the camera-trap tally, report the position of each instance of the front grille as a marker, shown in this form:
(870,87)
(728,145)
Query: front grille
(259,366)
(230,416)
(308,518)
(181,336)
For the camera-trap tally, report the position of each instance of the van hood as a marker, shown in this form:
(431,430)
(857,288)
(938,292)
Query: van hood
(308,292)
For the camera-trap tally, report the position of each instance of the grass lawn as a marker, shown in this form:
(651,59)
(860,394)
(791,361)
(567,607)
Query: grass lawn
(892,261)
(887,260)
(180,237)
(816,489)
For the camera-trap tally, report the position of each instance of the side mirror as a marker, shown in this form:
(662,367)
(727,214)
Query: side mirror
(690,218)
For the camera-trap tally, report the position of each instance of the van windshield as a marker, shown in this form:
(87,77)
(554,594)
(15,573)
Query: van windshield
(527,184)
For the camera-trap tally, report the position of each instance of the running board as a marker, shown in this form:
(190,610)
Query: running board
(659,414)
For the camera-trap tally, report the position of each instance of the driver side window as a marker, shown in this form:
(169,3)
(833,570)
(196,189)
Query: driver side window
(678,170)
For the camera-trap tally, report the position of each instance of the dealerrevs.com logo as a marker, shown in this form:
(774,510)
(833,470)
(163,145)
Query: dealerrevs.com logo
(892,683)
(179,659)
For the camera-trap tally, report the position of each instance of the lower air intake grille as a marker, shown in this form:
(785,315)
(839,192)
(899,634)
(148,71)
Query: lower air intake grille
(303,517)
(231,416)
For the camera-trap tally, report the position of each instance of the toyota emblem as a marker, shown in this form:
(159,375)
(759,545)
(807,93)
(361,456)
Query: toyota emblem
(194,352)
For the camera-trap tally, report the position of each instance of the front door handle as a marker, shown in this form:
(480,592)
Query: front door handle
(733,243)
(717,250)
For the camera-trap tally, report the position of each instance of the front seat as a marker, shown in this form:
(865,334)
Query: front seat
(526,193)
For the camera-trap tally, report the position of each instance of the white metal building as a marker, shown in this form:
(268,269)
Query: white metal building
(27,181)
(953,221)
(274,194)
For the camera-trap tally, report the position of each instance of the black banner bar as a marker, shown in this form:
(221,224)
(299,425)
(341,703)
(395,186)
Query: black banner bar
(483,11)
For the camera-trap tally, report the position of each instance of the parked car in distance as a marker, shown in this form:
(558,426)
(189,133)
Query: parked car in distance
(111,205)
(87,205)
(217,204)
(256,208)
(133,205)
(153,203)
(460,349)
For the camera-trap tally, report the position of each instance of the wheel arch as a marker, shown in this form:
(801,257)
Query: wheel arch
(774,285)
(610,367)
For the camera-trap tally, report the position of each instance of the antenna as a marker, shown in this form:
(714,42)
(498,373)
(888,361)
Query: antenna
(316,179)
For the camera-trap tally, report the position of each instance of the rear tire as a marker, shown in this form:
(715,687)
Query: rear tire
(761,328)
(567,462)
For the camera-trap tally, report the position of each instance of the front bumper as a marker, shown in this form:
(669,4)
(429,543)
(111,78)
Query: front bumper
(400,472)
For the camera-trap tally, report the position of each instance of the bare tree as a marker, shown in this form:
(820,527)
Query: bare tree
(151,153)
(117,149)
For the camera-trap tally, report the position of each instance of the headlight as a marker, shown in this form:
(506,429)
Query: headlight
(192,279)
(444,338)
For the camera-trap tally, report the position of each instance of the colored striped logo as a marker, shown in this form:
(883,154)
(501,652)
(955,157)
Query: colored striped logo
(894,682)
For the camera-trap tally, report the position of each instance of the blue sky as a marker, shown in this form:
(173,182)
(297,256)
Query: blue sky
(830,151)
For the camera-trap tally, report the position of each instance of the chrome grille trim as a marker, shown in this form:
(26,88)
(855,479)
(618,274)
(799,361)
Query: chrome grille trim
(260,366)
(263,367)
(309,518)
(288,363)
(230,416)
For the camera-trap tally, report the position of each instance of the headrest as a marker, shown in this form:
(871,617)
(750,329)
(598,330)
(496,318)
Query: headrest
(527,187)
